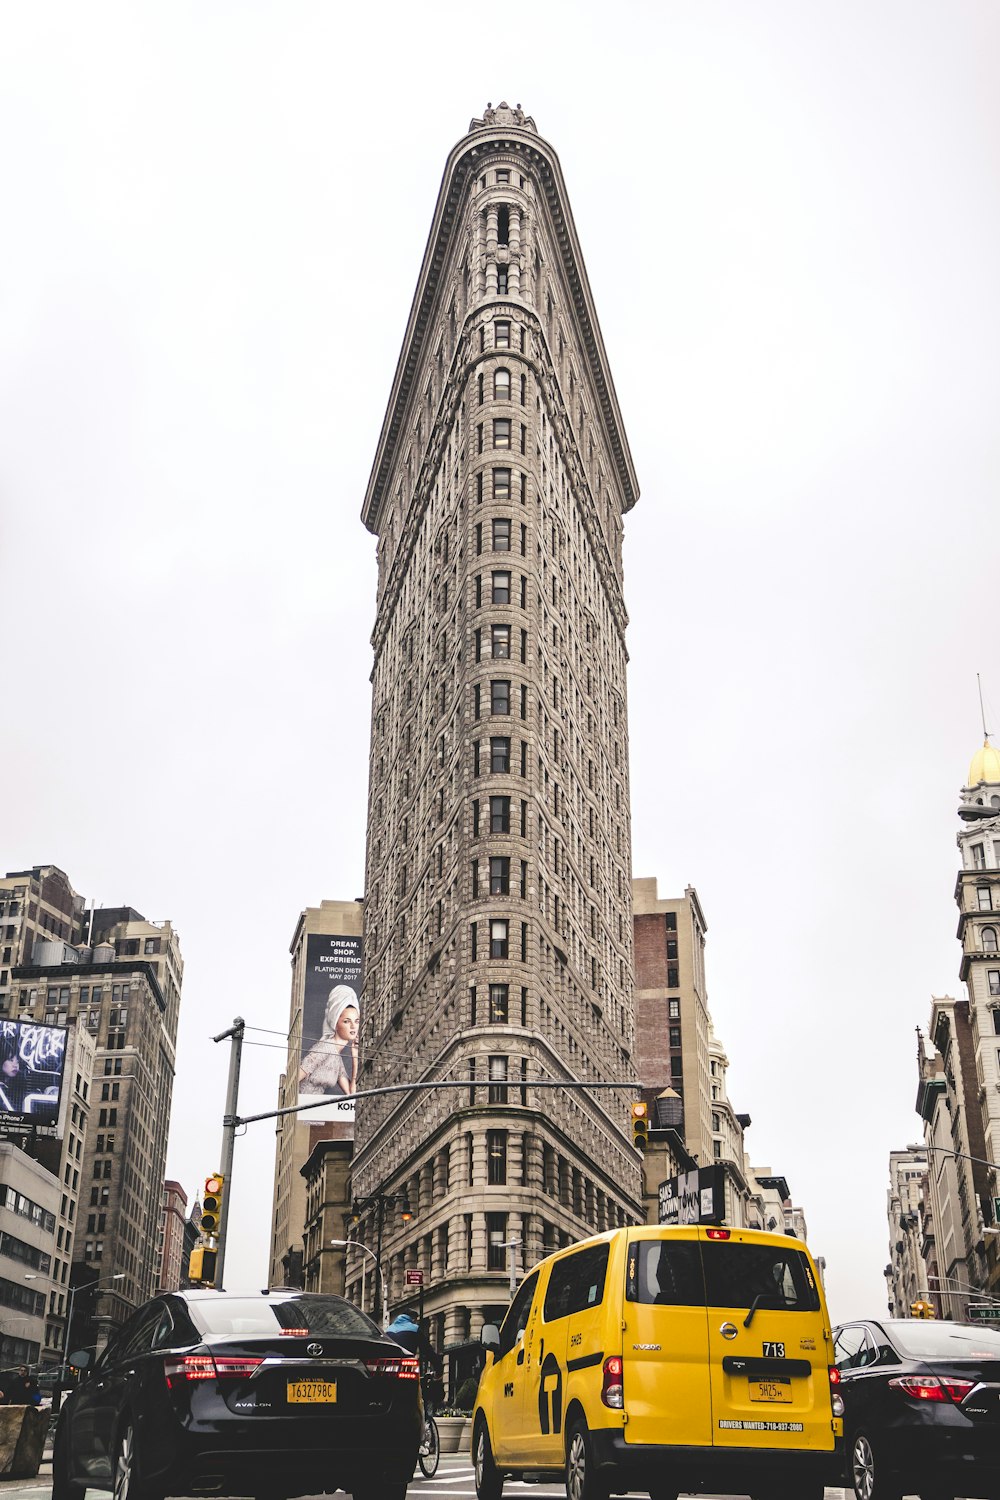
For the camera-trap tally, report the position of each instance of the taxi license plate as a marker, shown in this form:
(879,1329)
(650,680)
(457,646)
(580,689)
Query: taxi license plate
(770,1390)
(312,1390)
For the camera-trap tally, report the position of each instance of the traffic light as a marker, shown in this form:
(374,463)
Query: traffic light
(201,1266)
(640,1125)
(211,1204)
(921,1309)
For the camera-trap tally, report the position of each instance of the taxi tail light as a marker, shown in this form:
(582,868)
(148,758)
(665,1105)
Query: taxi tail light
(834,1375)
(405,1368)
(931,1388)
(612,1393)
(185,1369)
(718,1234)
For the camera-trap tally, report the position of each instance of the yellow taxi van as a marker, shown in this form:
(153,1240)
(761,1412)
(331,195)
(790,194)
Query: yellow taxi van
(671,1360)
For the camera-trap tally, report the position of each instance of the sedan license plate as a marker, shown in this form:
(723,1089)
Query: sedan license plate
(770,1390)
(312,1391)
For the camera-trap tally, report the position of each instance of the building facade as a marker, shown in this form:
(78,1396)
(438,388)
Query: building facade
(29,1200)
(113,979)
(977,893)
(906,1273)
(173,1216)
(498,923)
(299,1134)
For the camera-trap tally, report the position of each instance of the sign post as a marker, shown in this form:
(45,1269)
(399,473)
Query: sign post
(415,1277)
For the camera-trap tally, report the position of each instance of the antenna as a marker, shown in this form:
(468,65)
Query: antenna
(982,711)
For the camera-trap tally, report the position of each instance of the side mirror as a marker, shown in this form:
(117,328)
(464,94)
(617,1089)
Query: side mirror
(81,1359)
(490,1336)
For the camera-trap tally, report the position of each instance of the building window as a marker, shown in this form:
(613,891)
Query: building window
(501,281)
(499,875)
(503,220)
(500,641)
(501,385)
(498,1080)
(978,857)
(499,939)
(503,175)
(672,978)
(993,976)
(675,1036)
(674,1009)
(501,484)
(499,1000)
(716,1120)
(501,432)
(499,754)
(501,335)
(499,815)
(984,897)
(496,1157)
(989,940)
(500,696)
(501,534)
(496,1242)
(501,588)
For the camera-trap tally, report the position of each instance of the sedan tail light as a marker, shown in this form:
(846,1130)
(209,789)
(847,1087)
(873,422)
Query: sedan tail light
(399,1368)
(612,1390)
(181,1369)
(931,1388)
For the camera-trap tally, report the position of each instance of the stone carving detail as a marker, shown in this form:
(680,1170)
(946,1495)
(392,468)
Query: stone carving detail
(503,117)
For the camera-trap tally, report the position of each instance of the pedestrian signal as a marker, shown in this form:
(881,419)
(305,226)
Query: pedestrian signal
(640,1125)
(211,1204)
(201,1266)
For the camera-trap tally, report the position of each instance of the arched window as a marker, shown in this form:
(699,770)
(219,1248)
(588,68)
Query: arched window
(501,385)
(989,940)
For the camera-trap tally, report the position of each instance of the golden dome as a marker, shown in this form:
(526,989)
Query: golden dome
(985,765)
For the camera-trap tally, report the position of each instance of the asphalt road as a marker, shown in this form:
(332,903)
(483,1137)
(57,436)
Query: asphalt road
(453,1481)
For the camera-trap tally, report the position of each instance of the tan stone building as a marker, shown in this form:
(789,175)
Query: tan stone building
(906,1272)
(298,1135)
(114,980)
(498,925)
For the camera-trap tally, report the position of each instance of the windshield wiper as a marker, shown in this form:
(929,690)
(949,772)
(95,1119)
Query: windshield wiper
(760,1297)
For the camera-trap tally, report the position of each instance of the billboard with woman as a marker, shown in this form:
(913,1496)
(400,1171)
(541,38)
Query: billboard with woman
(331,1014)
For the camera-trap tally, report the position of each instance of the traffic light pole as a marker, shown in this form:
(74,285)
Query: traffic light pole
(235,1034)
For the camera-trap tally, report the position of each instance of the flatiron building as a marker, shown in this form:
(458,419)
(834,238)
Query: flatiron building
(498,909)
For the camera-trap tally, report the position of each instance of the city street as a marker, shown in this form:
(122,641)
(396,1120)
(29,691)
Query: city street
(453,1479)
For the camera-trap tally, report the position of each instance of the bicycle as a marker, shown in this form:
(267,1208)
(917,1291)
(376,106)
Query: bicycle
(429,1453)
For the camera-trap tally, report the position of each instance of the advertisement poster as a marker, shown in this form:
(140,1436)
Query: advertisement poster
(697,1197)
(31,1073)
(331,1016)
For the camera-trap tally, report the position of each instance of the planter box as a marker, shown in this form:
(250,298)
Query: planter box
(22,1438)
(455,1434)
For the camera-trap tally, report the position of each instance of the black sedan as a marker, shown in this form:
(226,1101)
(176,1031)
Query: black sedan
(271,1394)
(921,1409)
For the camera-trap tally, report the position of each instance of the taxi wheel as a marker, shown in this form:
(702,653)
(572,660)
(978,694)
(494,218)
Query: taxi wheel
(868,1473)
(582,1482)
(489,1480)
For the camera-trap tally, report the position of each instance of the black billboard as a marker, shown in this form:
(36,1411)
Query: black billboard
(697,1197)
(331,1016)
(32,1058)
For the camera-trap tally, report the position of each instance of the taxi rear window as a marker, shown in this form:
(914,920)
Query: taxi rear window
(722,1273)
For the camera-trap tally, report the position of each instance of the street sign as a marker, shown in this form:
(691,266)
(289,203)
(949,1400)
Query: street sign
(985,1314)
(414,1278)
(996,1210)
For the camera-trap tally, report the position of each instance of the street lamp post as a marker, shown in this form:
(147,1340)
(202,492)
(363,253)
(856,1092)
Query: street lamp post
(378,1201)
(346,1245)
(83,1287)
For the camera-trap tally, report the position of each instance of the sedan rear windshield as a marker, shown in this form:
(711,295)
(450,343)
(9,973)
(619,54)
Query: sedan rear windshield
(944,1340)
(261,1316)
(721,1273)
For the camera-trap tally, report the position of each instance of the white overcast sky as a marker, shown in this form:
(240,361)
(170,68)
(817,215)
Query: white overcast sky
(214,216)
